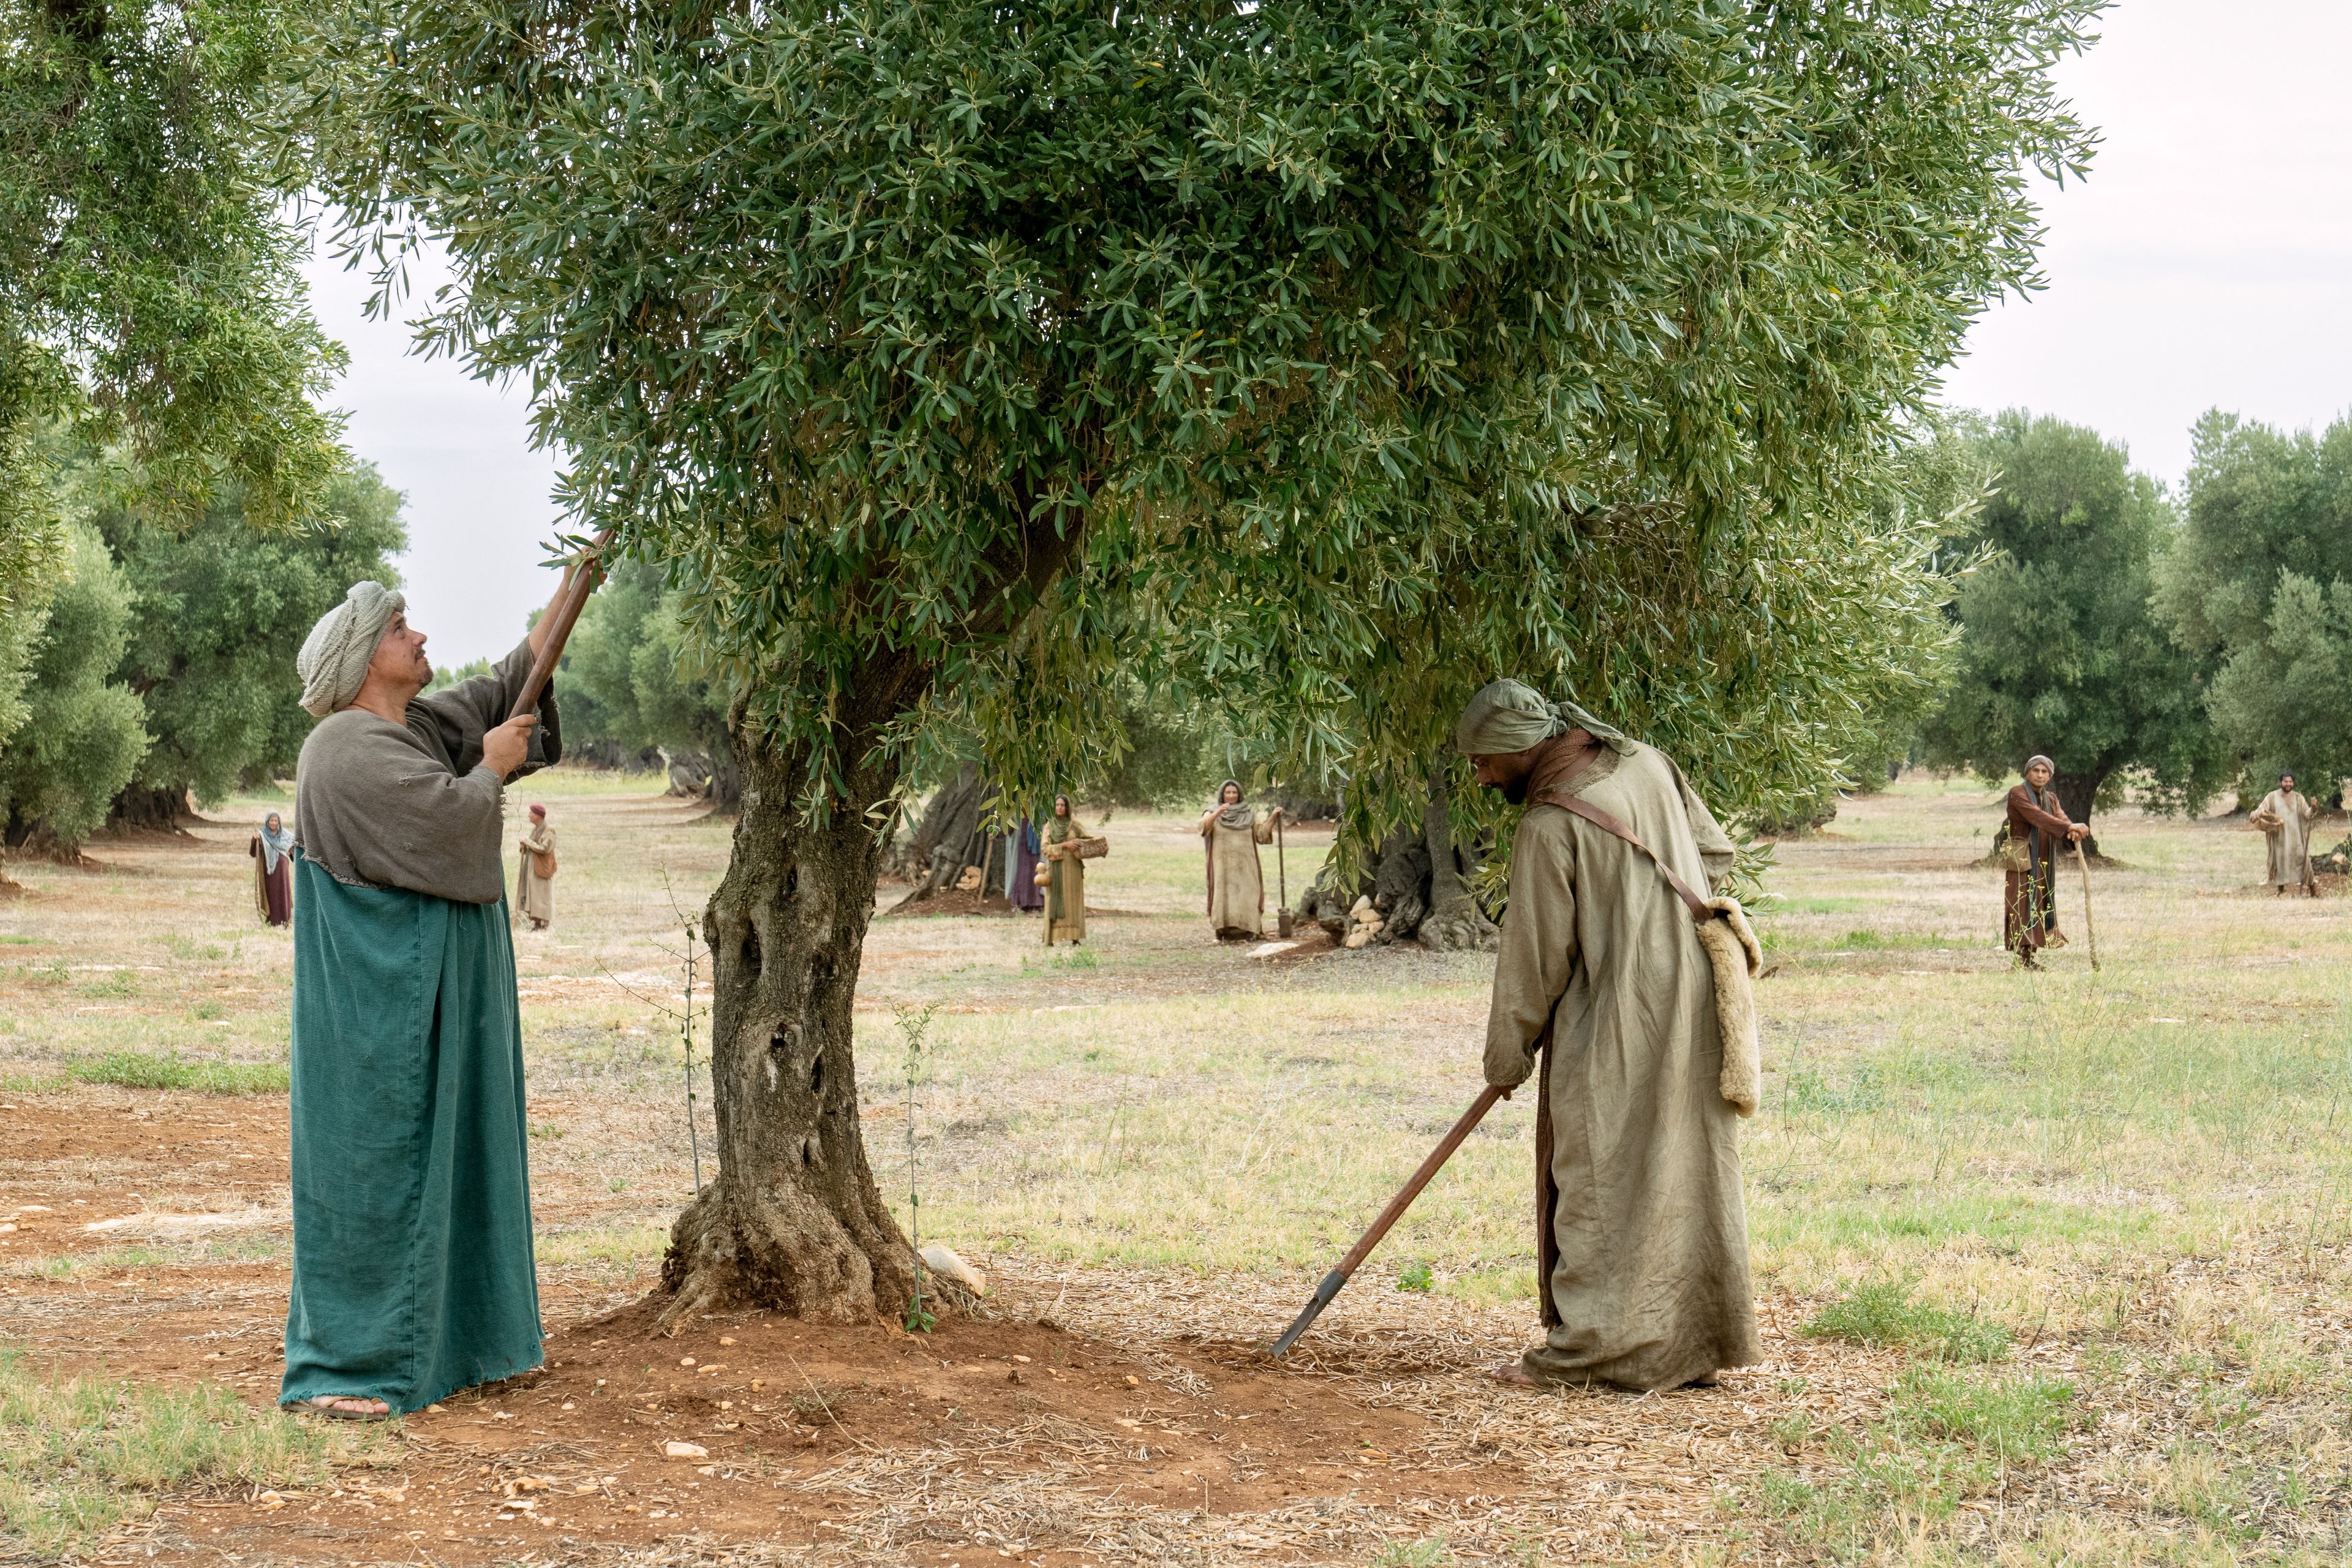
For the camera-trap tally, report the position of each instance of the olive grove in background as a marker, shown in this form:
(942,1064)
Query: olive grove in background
(149,291)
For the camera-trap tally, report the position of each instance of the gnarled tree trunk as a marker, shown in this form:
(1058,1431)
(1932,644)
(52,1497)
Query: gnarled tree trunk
(1455,922)
(2077,792)
(161,807)
(794,1221)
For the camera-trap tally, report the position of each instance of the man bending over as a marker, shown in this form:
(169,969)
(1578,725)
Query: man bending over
(1643,1238)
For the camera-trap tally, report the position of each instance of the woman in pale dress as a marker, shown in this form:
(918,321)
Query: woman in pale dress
(1066,876)
(1230,834)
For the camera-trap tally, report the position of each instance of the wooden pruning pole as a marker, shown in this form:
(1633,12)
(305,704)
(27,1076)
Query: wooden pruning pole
(1337,1278)
(2090,931)
(561,620)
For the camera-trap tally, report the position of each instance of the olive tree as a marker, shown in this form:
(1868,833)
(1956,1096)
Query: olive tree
(2061,652)
(149,291)
(1336,353)
(2258,591)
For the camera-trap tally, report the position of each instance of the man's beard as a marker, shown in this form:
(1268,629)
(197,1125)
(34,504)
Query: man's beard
(1515,792)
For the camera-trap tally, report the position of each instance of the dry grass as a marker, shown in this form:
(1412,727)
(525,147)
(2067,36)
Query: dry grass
(2051,1266)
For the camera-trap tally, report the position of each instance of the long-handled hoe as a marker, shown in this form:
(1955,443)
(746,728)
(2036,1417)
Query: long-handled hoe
(1338,1277)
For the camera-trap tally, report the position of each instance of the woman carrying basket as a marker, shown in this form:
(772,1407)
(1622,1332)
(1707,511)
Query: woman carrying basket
(1063,874)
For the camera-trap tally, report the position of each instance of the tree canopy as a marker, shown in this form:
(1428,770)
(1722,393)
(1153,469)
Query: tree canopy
(2259,590)
(2060,651)
(1329,356)
(83,735)
(224,606)
(877,321)
(148,294)
(630,680)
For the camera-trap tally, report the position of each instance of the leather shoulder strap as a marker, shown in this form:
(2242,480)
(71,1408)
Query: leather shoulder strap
(1609,824)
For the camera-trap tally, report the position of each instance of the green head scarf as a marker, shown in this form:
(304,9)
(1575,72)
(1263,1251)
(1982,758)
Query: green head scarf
(1508,716)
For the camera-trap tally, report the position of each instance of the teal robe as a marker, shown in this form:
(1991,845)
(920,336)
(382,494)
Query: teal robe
(413,1268)
(413,1273)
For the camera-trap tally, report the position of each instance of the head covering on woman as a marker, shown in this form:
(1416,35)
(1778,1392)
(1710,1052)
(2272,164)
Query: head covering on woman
(1239,814)
(277,842)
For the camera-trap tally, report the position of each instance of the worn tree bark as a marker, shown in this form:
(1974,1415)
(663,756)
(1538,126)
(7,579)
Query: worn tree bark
(2075,793)
(149,806)
(794,1221)
(1455,922)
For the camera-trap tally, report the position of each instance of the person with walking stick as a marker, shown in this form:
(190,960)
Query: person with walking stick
(2037,826)
(1627,988)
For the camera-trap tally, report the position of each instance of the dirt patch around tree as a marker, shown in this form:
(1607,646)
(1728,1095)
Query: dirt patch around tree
(744,1427)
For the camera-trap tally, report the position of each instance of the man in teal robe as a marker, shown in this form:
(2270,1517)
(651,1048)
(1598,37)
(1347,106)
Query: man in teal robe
(413,1268)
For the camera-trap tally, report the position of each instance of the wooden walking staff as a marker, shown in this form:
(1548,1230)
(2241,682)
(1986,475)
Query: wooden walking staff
(585,574)
(1337,1279)
(2090,933)
(1282,921)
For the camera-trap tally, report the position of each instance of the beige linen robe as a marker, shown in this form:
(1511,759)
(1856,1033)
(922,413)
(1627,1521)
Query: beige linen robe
(1236,880)
(534,894)
(1652,1283)
(1065,881)
(2286,821)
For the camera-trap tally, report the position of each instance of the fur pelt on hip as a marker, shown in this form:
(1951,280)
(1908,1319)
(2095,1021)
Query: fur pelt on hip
(1737,958)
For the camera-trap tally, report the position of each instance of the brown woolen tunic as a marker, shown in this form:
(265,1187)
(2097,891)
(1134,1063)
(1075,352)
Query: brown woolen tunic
(1651,1284)
(2029,916)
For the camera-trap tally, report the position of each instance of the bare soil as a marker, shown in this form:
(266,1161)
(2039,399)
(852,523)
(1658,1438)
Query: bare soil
(770,1408)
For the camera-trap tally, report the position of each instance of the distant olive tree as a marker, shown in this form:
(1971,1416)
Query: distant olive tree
(2060,651)
(1329,356)
(224,606)
(2259,591)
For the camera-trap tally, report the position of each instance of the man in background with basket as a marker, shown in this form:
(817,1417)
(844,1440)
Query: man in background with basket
(535,871)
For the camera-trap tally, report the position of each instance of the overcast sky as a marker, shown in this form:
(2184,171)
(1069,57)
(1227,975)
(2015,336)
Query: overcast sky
(2206,263)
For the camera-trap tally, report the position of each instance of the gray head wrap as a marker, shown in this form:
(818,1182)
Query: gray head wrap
(1508,716)
(333,663)
(2038,757)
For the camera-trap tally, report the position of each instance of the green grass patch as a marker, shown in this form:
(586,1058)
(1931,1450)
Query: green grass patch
(81,1455)
(625,1244)
(1809,1091)
(1886,1314)
(1947,1436)
(145,1069)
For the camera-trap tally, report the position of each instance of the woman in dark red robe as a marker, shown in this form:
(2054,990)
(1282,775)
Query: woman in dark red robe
(2038,829)
(273,872)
